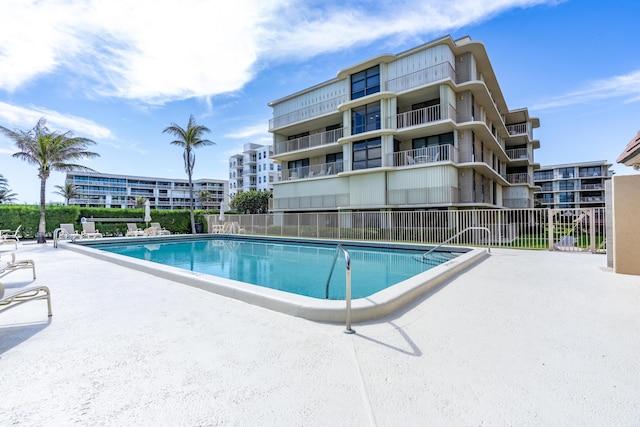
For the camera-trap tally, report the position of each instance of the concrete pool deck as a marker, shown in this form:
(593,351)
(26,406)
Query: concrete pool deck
(523,338)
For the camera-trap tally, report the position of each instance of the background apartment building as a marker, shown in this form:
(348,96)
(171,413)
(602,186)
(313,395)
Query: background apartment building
(121,191)
(425,129)
(252,169)
(572,185)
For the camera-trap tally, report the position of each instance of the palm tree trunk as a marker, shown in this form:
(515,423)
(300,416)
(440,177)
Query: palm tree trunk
(192,216)
(42,226)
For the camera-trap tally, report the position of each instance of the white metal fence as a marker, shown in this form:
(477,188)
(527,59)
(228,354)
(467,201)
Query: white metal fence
(551,229)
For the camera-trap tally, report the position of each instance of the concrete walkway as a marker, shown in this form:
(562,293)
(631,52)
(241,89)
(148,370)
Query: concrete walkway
(524,338)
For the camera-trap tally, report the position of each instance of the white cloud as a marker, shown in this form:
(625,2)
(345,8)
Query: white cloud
(258,129)
(25,118)
(155,51)
(625,86)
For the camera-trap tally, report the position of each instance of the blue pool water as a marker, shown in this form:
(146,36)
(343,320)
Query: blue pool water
(294,267)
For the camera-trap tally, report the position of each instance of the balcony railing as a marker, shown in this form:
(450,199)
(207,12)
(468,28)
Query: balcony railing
(592,174)
(542,176)
(592,199)
(518,153)
(421,77)
(424,155)
(518,178)
(421,116)
(591,187)
(309,141)
(328,106)
(518,129)
(313,171)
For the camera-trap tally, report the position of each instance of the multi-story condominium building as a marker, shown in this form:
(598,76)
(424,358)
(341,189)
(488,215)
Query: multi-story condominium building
(424,129)
(121,191)
(252,169)
(572,185)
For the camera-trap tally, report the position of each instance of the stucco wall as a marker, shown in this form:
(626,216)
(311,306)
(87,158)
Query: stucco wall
(626,227)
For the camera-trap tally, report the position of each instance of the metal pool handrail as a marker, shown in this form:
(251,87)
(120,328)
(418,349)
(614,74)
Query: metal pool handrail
(347,260)
(456,235)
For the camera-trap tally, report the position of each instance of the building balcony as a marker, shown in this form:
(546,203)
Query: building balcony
(518,154)
(313,171)
(422,77)
(592,199)
(591,187)
(543,176)
(445,152)
(310,141)
(325,107)
(421,116)
(519,178)
(520,129)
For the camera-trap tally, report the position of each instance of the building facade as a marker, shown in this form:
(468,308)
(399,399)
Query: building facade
(572,185)
(121,191)
(425,129)
(253,169)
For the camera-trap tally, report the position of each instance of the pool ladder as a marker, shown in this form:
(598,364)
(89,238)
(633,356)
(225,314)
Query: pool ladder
(347,261)
(458,234)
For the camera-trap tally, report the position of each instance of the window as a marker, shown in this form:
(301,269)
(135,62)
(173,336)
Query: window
(271,166)
(365,118)
(566,172)
(566,198)
(300,166)
(433,141)
(565,185)
(365,82)
(367,154)
(335,157)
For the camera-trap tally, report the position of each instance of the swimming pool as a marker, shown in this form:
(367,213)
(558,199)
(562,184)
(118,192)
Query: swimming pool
(289,275)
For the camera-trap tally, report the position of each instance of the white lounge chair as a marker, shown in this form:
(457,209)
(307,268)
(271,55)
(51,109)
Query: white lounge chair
(89,230)
(68,232)
(134,231)
(7,267)
(10,234)
(158,230)
(24,295)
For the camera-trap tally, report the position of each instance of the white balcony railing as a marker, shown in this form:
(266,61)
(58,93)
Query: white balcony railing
(421,77)
(518,153)
(325,107)
(518,178)
(309,141)
(519,129)
(313,171)
(445,152)
(591,187)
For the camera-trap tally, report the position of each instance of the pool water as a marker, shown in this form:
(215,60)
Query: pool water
(293,267)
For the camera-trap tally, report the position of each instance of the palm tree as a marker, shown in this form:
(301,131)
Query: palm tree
(6,195)
(189,139)
(49,151)
(68,191)
(205,197)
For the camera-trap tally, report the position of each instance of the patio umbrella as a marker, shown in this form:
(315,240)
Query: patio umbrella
(147,212)
(221,212)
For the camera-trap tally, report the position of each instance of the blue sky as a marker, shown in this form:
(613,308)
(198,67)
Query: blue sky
(121,71)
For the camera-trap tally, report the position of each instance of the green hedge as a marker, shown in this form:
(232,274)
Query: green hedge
(11,216)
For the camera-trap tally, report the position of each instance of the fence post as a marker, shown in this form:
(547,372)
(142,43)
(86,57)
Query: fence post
(550,227)
(592,230)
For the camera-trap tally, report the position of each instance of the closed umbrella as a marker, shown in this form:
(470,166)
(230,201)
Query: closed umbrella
(222,212)
(147,212)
